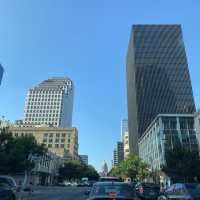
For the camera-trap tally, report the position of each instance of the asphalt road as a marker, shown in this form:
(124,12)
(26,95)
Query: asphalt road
(58,193)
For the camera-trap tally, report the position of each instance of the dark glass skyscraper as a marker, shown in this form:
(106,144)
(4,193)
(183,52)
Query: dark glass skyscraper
(158,79)
(1,73)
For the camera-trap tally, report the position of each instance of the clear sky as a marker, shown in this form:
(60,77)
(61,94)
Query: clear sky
(87,41)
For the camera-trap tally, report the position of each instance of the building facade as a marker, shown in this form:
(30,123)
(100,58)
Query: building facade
(46,170)
(124,127)
(158,79)
(115,158)
(1,73)
(118,153)
(50,103)
(61,141)
(197,125)
(84,159)
(165,132)
(126,145)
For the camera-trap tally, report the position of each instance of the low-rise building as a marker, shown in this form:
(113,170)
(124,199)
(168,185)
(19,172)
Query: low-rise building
(46,170)
(61,141)
(164,132)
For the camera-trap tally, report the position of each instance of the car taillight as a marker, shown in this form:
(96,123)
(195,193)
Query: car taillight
(113,194)
(141,190)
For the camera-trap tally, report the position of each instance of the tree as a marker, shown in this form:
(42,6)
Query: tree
(14,152)
(77,170)
(132,167)
(182,163)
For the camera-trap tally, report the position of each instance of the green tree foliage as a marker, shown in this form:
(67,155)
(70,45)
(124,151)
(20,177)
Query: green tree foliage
(132,167)
(77,170)
(14,152)
(182,163)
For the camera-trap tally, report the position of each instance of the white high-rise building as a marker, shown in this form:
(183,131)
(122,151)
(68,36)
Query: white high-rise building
(50,103)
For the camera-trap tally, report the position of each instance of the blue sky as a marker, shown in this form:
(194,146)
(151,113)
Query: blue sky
(86,41)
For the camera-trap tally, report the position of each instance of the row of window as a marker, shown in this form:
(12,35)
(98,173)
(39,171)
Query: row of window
(43,103)
(45,95)
(44,111)
(42,115)
(56,140)
(56,135)
(41,119)
(44,100)
(38,92)
(56,146)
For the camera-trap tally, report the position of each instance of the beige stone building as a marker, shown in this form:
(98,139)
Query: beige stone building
(126,144)
(61,141)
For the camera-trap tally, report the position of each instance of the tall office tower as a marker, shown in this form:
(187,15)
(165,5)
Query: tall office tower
(115,159)
(50,103)
(158,79)
(118,153)
(124,128)
(1,73)
(84,159)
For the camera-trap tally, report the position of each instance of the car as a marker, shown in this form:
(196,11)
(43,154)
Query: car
(111,191)
(67,183)
(83,184)
(109,178)
(74,184)
(61,184)
(147,190)
(7,188)
(182,191)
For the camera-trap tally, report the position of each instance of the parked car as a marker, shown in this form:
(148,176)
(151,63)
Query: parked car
(8,188)
(61,184)
(182,191)
(84,184)
(111,191)
(74,184)
(147,190)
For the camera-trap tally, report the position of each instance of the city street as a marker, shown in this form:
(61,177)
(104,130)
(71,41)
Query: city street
(58,193)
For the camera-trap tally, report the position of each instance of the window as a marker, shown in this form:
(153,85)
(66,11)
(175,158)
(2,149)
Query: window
(50,145)
(57,134)
(62,145)
(62,140)
(50,140)
(57,140)
(56,145)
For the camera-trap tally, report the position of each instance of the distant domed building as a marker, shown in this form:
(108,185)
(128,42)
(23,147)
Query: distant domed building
(104,169)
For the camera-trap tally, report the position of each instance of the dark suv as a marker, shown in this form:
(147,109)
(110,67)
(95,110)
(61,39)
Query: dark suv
(147,190)
(182,191)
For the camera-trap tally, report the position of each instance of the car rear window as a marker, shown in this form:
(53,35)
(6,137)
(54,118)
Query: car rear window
(10,182)
(109,179)
(112,190)
(151,186)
